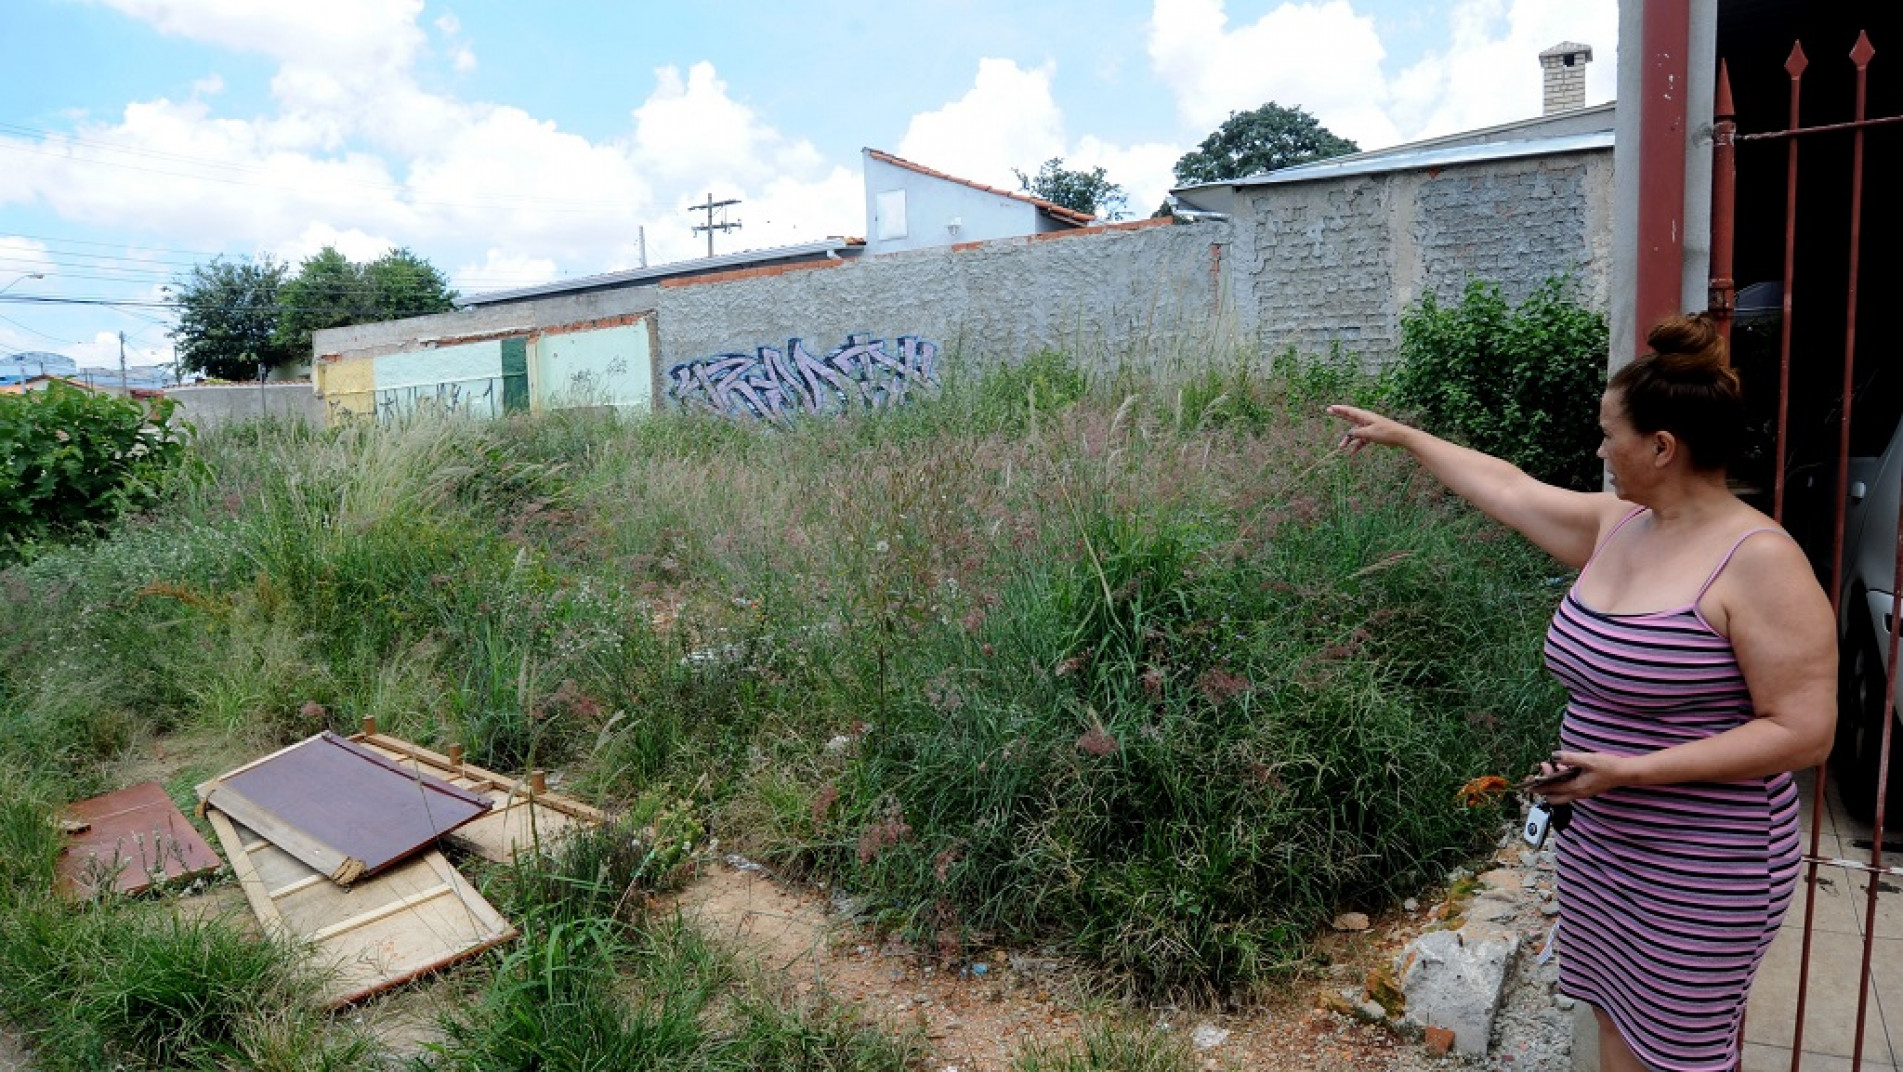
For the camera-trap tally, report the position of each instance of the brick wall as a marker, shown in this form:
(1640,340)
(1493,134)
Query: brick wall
(1337,260)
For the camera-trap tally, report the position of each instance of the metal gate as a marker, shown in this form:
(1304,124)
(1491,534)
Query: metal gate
(1726,143)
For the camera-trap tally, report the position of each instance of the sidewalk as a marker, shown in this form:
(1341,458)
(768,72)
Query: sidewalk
(1830,1015)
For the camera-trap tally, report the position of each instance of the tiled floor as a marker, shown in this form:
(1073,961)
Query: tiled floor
(1838,924)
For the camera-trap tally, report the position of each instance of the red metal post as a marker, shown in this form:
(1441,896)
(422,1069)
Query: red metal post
(1795,65)
(1666,38)
(1860,55)
(1724,200)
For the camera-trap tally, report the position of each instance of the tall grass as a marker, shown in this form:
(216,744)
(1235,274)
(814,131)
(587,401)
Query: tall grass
(1135,668)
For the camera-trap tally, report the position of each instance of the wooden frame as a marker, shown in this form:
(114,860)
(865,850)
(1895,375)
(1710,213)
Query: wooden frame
(415,918)
(524,814)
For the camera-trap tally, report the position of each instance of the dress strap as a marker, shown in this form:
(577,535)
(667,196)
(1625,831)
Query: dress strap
(1726,561)
(1607,542)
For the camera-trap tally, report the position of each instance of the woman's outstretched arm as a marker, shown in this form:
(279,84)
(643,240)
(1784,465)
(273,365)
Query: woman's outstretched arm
(1565,524)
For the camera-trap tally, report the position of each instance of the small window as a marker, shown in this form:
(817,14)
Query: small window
(892,214)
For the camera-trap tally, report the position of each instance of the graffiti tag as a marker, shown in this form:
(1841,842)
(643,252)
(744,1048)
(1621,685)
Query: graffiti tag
(860,374)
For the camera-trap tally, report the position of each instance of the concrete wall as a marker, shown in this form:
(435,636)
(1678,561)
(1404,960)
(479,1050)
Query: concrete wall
(585,350)
(1140,292)
(1337,260)
(209,406)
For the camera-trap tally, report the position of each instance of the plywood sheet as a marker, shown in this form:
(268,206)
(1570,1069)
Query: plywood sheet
(131,839)
(519,818)
(418,916)
(341,808)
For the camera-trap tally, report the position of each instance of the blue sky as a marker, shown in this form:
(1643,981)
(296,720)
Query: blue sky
(514,143)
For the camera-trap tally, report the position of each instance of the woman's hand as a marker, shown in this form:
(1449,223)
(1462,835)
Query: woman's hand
(1598,772)
(1369,427)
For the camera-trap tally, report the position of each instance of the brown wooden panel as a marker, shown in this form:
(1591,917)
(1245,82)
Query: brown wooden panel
(132,837)
(416,917)
(519,819)
(341,808)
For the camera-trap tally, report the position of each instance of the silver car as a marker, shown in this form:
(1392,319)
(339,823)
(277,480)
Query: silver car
(1865,628)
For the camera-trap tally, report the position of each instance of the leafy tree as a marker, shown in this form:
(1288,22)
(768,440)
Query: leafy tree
(403,284)
(1089,192)
(228,318)
(330,290)
(1266,139)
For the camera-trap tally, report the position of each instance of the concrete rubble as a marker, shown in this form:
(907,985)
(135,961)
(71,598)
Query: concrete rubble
(1453,980)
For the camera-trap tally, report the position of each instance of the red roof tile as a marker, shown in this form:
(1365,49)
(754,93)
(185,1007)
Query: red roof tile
(1052,208)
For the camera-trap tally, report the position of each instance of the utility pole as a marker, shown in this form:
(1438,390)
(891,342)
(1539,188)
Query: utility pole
(710,226)
(124,391)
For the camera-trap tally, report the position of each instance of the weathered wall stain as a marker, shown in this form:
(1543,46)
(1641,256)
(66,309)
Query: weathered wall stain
(859,374)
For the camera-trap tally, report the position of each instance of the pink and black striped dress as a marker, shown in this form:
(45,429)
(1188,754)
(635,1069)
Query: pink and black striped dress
(1670,894)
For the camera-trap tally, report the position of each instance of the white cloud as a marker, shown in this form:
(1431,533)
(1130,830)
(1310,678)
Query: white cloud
(1327,58)
(499,270)
(1490,71)
(350,242)
(358,155)
(450,25)
(21,258)
(1322,57)
(1144,171)
(1008,120)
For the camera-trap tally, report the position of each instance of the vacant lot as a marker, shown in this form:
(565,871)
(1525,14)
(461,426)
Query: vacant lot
(1131,673)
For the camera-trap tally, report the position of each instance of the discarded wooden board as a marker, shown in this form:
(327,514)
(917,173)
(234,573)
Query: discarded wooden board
(341,808)
(129,841)
(523,814)
(417,917)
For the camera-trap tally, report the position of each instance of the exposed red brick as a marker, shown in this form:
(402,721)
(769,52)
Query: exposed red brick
(748,273)
(1439,1041)
(625,320)
(1126,225)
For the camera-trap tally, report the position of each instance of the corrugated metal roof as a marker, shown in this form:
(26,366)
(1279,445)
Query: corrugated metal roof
(752,258)
(1421,159)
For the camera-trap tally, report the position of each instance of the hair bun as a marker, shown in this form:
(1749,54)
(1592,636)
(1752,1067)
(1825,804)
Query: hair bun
(1688,343)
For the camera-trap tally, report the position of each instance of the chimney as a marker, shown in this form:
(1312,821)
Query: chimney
(1565,68)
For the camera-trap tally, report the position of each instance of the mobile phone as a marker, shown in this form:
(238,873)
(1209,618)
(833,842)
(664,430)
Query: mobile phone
(1541,781)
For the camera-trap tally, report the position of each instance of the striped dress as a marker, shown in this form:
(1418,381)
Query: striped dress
(1673,893)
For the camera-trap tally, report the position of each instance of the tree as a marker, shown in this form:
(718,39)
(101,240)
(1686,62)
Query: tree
(228,318)
(1089,192)
(1267,139)
(327,292)
(330,290)
(403,284)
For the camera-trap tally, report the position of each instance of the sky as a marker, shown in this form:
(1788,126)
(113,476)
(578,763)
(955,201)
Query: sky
(511,143)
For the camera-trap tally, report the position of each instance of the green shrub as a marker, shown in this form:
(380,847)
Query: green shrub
(73,461)
(1520,383)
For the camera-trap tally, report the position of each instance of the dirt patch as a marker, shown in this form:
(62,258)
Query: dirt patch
(979,1016)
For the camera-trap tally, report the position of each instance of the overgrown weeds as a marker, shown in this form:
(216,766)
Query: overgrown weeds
(1140,671)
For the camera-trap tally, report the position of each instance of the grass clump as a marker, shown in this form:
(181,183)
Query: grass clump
(1109,1047)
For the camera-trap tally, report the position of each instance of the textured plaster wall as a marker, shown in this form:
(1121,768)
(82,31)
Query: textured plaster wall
(1143,294)
(208,407)
(1338,260)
